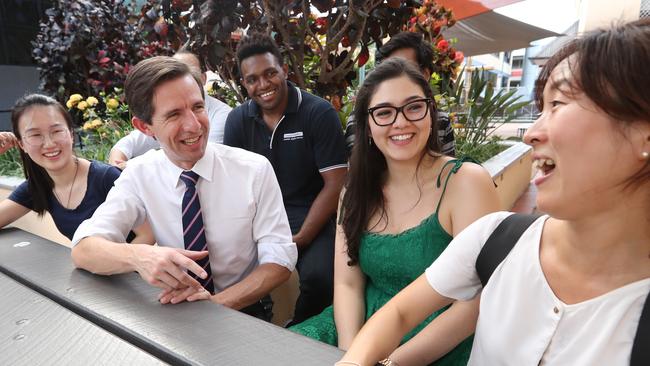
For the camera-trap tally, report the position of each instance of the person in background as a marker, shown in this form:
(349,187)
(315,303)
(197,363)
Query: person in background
(572,289)
(215,211)
(411,47)
(57,181)
(136,143)
(301,136)
(403,203)
(7,141)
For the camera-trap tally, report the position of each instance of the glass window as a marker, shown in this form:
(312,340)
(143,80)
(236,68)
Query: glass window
(19,24)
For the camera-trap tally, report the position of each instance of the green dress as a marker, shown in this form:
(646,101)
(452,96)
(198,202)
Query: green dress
(391,262)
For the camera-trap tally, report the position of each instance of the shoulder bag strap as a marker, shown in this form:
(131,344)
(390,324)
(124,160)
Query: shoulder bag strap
(500,243)
(640,347)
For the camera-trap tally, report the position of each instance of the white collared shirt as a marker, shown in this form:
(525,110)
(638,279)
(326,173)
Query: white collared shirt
(245,221)
(521,321)
(137,143)
(217,114)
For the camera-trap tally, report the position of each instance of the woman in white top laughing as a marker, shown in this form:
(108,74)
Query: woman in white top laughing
(572,289)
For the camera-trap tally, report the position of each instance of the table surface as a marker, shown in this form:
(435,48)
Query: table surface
(34,329)
(201,333)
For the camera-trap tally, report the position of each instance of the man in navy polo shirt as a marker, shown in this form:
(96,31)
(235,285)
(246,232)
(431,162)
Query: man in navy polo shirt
(301,135)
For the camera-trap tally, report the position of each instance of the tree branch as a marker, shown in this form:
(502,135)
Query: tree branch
(279,20)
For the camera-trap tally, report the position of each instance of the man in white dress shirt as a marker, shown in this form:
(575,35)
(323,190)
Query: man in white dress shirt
(246,231)
(137,143)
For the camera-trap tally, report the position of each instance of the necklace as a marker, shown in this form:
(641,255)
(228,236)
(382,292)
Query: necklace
(74,179)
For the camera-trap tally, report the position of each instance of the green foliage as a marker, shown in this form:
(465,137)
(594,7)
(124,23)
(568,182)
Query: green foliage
(321,48)
(104,121)
(10,164)
(477,111)
(86,47)
(89,46)
(96,142)
(347,108)
(220,90)
(97,146)
(480,153)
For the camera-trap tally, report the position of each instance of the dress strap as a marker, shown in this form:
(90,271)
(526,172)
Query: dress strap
(457,163)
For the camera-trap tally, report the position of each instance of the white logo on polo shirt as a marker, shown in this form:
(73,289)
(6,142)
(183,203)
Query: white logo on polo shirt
(293,136)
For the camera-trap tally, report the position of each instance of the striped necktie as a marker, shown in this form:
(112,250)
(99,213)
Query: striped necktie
(193,229)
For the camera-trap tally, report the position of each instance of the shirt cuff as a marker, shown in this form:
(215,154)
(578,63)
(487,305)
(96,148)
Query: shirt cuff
(87,230)
(458,293)
(284,254)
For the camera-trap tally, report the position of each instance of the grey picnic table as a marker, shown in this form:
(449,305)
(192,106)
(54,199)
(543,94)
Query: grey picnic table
(126,308)
(35,330)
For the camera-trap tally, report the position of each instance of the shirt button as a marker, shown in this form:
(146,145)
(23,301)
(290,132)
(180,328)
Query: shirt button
(556,310)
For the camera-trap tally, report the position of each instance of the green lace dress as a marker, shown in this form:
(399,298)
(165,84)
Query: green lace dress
(391,262)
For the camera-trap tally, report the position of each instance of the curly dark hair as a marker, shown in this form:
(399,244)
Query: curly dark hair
(257,44)
(423,50)
(364,187)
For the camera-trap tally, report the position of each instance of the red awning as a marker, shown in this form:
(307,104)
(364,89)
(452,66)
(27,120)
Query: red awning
(492,32)
(466,8)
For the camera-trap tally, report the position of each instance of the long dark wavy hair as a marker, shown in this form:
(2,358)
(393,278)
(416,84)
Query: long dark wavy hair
(366,176)
(39,183)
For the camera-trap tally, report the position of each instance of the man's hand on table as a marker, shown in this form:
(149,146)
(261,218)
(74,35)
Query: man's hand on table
(167,267)
(184,294)
(175,296)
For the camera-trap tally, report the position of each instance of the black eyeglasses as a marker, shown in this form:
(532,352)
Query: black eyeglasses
(413,111)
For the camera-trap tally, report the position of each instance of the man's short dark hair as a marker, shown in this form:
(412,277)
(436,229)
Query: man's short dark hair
(257,44)
(423,49)
(143,79)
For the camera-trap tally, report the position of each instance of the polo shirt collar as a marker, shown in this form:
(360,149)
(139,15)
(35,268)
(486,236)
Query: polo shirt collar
(292,105)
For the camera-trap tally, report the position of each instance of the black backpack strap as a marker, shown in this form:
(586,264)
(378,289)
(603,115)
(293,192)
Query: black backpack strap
(640,350)
(500,243)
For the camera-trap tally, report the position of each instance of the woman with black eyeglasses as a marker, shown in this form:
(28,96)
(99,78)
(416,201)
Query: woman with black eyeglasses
(403,203)
(57,181)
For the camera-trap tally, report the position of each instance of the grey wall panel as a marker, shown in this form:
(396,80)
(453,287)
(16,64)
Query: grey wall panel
(15,81)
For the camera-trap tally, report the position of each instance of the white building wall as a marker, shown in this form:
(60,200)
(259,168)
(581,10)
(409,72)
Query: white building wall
(602,13)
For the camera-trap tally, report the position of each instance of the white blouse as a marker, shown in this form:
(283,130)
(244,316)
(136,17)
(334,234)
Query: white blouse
(521,321)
